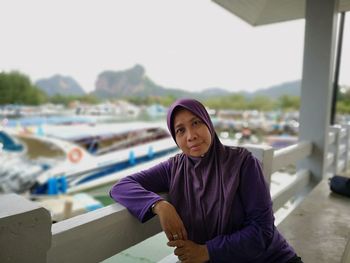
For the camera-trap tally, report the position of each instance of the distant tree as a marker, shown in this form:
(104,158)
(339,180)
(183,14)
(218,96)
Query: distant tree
(148,100)
(237,101)
(16,88)
(343,107)
(288,103)
(262,103)
(343,101)
(91,99)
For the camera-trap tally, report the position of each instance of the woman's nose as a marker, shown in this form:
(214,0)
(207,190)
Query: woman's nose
(191,135)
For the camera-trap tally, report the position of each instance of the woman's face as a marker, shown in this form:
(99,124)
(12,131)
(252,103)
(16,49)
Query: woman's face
(191,134)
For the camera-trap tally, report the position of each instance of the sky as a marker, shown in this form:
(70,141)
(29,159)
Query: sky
(185,44)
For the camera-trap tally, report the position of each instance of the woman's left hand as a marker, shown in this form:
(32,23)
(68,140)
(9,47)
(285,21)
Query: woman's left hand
(189,252)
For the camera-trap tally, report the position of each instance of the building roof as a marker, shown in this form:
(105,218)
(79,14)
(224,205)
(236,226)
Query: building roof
(262,12)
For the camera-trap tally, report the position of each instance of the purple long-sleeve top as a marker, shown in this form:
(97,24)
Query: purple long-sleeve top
(235,220)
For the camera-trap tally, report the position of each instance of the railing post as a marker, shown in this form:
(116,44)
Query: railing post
(347,146)
(264,154)
(25,230)
(334,148)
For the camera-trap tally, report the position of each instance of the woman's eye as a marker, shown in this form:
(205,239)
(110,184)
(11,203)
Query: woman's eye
(180,131)
(196,122)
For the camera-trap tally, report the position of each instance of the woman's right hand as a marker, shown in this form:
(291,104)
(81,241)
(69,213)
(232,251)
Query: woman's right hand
(170,221)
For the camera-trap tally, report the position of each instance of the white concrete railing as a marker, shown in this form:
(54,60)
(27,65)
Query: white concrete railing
(102,233)
(339,149)
(290,156)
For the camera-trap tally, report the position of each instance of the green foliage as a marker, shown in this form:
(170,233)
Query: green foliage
(343,107)
(262,103)
(343,103)
(16,88)
(228,102)
(289,103)
(162,100)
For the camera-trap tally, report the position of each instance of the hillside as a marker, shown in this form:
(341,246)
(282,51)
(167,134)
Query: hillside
(134,82)
(62,85)
(288,88)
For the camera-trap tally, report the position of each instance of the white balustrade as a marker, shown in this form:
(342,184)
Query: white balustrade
(339,145)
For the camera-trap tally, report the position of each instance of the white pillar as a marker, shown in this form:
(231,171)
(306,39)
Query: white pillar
(25,230)
(316,92)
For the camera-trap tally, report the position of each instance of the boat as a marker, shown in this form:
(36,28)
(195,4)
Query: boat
(85,153)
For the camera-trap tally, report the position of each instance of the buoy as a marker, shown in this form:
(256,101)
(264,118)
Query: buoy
(75,155)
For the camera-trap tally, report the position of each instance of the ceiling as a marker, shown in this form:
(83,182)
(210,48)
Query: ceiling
(262,12)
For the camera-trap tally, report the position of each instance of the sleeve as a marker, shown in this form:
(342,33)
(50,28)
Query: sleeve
(255,236)
(137,192)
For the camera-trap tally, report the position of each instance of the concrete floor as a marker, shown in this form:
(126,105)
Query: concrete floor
(319,228)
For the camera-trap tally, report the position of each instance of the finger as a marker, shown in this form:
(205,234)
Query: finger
(176,243)
(171,243)
(169,235)
(182,258)
(184,234)
(179,251)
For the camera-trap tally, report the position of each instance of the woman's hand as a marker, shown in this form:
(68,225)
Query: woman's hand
(189,252)
(170,221)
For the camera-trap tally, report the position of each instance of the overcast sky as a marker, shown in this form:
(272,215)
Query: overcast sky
(186,44)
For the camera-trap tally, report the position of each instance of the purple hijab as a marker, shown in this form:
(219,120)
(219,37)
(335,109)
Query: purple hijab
(204,189)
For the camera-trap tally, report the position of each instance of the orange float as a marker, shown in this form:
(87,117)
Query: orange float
(75,155)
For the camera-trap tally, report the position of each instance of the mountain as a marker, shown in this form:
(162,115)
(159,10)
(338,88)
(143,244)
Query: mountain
(62,85)
(291,88)
(213,92)
(134,82)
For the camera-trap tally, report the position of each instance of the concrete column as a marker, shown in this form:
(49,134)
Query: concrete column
(316,92)
(25,230)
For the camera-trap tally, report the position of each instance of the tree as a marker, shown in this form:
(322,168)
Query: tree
(289,103)
(16,88)
(236,101)
(262,103)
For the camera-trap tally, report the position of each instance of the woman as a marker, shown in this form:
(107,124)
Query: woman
(219,208)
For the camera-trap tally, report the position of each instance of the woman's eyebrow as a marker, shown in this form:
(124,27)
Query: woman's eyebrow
(195,118)
(190,120)
(178,125)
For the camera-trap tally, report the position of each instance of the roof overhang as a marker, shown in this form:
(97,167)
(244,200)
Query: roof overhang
(262,12)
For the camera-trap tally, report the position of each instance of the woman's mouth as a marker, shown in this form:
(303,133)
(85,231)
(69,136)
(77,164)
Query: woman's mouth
(195,147)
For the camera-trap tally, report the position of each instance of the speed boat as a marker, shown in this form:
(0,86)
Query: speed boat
(85,153)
